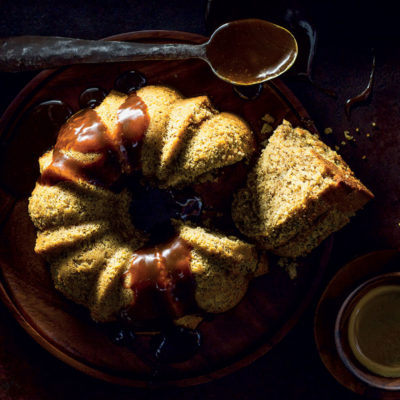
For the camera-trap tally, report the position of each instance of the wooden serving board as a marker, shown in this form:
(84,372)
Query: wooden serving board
(231,340)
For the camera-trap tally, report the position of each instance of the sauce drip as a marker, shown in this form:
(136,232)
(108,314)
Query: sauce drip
(364,95)
(176,344)
(92,97)
(250,92)
(259,50)
(129,82)
(161,280)
(171,344)
(87,150)
(49,116)
(133,121)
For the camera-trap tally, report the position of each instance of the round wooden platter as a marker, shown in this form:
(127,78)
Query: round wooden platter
(231,340)
(343,283)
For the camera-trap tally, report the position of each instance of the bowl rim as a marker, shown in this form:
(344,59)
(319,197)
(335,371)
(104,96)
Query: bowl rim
(341,337)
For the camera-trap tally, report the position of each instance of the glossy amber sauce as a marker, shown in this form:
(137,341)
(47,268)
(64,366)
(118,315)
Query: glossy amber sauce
(374,330)
(161,280)
(103,153)
(251,51)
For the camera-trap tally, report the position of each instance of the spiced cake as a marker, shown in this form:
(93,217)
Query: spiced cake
(81,209)
(299,192)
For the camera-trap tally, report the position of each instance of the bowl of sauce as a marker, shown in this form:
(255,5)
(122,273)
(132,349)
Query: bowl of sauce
(367,331)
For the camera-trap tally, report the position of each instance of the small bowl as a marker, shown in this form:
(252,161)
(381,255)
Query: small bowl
(346,339)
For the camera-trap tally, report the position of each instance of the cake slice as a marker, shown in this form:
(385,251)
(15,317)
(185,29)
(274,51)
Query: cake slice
(299,192)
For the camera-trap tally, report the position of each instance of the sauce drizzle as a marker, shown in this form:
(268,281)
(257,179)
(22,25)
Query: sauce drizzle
(87,150)
(364,95)
(161,280)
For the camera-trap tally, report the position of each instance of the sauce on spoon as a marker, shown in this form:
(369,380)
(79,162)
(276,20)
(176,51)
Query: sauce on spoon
(251,51)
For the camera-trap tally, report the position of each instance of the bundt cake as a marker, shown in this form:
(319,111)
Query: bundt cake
(81,208)
(299,192)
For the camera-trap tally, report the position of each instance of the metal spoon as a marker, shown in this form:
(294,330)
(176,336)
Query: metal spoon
(243,52)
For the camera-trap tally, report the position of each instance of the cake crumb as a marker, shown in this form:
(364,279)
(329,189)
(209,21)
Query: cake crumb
(328,131)
(373,123)
(266,128)
(190,321)
(268,118)
(289,265)
(337,148)
(368,135)
(343,143)
(364,157)
(347,135)
(357,129)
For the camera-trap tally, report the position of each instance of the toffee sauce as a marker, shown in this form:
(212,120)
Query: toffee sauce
(162,282)
(364,95)
(176,344)
(129,82)
(85,133)
(250,92)
(258,50)
(92,97)
(49,116)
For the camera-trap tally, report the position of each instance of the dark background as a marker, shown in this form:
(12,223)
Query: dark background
(349,33)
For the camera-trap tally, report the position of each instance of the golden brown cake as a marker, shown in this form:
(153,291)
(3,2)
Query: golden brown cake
(97,257)
(299,192)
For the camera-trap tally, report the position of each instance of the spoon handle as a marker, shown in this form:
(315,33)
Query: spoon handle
(24,53)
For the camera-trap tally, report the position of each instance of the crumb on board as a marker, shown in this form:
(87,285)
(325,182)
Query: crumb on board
(368,135)
(328,131)
(266,128)
(343,143)
(364,157)
(373,123)
(191,321)
(337,148)
(357,129)
(289,265)
(347,135)
(268,118)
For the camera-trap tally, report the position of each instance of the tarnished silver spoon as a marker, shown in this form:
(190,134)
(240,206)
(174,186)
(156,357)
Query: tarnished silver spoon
(243,52)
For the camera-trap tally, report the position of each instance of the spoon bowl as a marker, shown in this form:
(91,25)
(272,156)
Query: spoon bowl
(251,51)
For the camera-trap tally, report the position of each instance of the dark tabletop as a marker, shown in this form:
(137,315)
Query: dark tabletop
(349,35)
